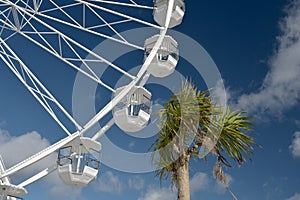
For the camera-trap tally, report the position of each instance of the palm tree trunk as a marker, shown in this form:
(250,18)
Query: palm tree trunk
(182,176)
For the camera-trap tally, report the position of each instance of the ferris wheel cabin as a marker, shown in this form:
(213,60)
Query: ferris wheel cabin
(166,58)
(132,113)
(160,12)
(79,162)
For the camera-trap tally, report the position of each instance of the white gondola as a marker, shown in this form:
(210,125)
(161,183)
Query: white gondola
(167,56)
(132,113)
(79,162)
(160,12)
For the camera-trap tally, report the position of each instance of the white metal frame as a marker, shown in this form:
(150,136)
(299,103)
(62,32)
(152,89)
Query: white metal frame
(19,14)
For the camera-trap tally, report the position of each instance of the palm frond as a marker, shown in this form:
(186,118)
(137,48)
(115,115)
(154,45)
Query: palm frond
(233,139)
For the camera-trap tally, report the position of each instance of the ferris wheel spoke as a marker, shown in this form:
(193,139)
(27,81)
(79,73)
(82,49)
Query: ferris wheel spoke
(35,5)
(112,23)
(59,8)
(10,35)
(26,5)
(7,22)
(40,99)
(65,13)
(107,24)
(35,87)
(3,4)
(39,34)
(134,4)
(120,14)
(4,11)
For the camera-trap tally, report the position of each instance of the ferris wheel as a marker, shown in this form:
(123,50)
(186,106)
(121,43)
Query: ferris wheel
(57,28)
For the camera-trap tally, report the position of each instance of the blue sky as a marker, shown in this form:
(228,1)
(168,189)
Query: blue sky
(256,47)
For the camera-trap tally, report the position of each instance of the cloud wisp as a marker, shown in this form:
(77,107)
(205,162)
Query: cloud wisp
(280,90)
(295,146)
(110,183)
(136,183)
(15,149)
(200,181)
(295,197)
(159,194)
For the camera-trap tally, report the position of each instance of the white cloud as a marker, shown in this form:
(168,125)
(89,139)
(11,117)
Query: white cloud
(110,183)
(219,94)
(136,183)
(16,149)
(159,194)
(281,86)
(200,181)
(295,146)
(220,188)
(58,190)
(295,197)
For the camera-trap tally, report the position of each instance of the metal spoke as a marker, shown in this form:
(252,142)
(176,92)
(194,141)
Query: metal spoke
(65,13)
(61,7)
(133,2)
(37,84)
(124,4)
(107,24)
(112,23)
(120,14)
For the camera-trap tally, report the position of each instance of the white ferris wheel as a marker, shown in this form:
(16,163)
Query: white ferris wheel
(52,25)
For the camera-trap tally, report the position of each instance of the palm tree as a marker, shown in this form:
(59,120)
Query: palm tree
(192,127)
